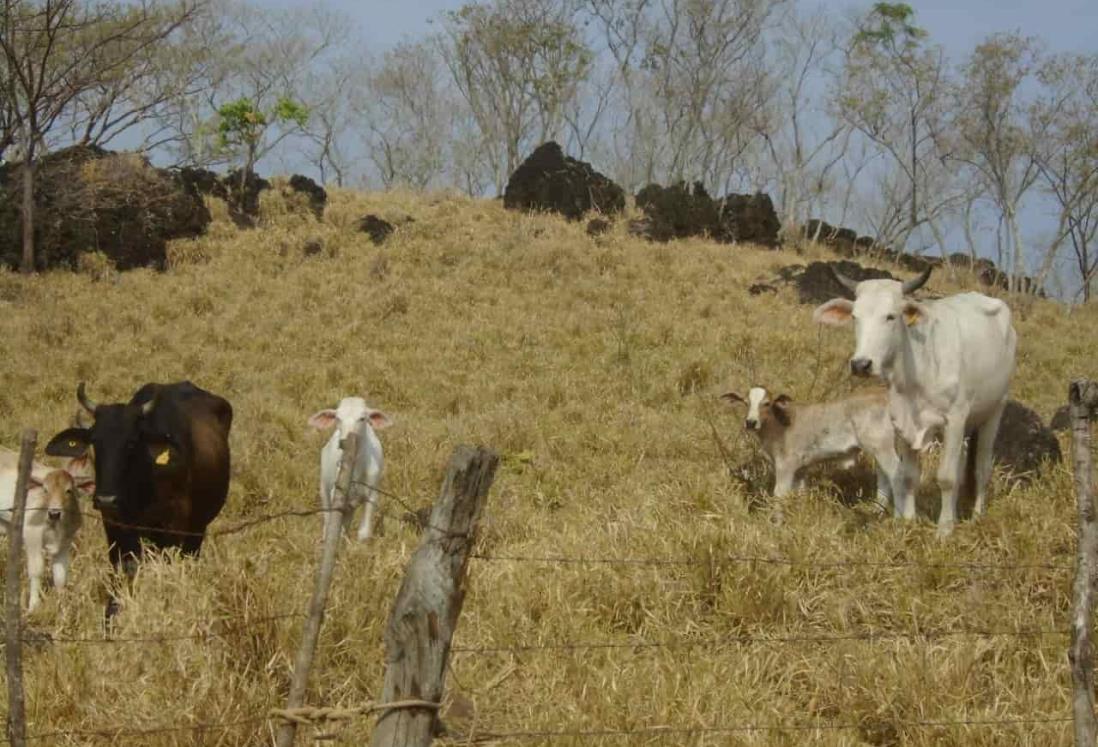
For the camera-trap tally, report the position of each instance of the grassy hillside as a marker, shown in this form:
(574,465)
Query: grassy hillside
(592,365)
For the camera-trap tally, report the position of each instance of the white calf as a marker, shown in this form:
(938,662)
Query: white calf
(52,516)
(796,437)
(350,416)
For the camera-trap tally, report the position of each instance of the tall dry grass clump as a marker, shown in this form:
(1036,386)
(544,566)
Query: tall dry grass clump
(592,366)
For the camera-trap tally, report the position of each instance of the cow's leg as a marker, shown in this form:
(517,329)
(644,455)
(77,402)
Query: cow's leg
(59,567)
(888,465)
(36,565)
(905,480)
(784,479)
(124,551)
(985,458)
(949,471)
(370,505)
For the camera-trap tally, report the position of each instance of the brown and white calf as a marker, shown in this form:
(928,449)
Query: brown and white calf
(52,517)
(794,437)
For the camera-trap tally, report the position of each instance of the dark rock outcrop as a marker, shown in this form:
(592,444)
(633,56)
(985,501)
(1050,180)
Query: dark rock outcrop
(550,181)
(597,226)
(88,199)
(316,194)
(680,211)
(846,243)
(1023,442)
(750,219)
(378,229)
(1061,419)
(683,210)
(816,284)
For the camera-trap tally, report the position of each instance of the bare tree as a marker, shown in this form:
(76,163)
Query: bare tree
(991,132)
(56,51)
(893,91)
(242,52)
(408,117)
(517,65)
(1064,121)
(806,145)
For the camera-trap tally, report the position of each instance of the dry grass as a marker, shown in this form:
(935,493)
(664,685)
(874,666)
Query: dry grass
(590,365)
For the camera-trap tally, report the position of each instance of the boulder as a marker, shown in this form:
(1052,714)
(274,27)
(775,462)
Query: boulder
(377,228)
(316,194)
(750,219)
(550,181)
(679,211)
(597,226)
(242,195)
(1024,443)
(816,285)
(88,199)
(1061,419)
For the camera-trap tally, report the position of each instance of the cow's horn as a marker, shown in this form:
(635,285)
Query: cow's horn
(82,398)
(910,286)
(850,285)
(148,406)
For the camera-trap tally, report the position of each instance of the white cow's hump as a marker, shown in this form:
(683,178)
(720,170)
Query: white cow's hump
(972,301)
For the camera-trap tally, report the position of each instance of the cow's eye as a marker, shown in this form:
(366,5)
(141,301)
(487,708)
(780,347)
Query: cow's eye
(890,318)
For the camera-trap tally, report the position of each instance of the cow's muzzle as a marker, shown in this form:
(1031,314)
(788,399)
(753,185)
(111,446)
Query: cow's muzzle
(53,514)
(751,424)
(105,501)
(861,366)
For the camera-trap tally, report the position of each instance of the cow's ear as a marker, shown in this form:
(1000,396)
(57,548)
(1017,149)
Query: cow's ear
(913,313)
(71,442)
(164,455)
(85,485)
(80,466)
(780,407)
(379,420)
(323,420)
(732,398)
(836,312)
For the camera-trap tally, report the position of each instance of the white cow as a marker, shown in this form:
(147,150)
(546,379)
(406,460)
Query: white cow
(795,437)
(350,416)
(52,517)
(948,365)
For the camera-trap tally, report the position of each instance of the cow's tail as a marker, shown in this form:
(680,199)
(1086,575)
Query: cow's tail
(968,477)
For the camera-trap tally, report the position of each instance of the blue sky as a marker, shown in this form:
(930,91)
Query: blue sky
(1063,24)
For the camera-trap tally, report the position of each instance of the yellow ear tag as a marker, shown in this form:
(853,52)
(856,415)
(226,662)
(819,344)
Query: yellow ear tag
(911,316)
(164,457)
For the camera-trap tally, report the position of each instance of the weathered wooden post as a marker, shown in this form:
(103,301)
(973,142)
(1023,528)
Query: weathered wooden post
(310,634)
(13,596)
(1083,397)
(425,614)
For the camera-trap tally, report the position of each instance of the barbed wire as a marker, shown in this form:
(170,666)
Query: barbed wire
(744,639)
(233,629)
(594,733)
(680,731)
(724,560)
(116,732)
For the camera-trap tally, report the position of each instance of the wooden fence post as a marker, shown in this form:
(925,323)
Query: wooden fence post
(13,596)
(1082,397)
(425,614)
(310,634)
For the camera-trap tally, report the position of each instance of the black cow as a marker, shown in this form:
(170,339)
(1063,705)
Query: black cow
(161,464)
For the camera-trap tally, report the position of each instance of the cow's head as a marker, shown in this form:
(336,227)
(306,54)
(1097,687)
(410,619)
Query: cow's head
(122,437)
(349,417)
(62,489)
(762,409)
(882,312)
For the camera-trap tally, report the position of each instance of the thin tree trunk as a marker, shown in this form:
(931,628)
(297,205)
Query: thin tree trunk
(27,265)
(1016,246)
